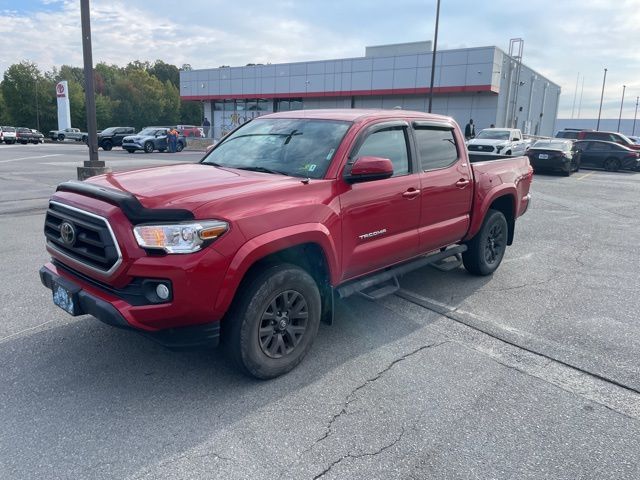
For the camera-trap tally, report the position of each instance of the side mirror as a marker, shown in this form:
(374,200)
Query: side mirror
(366,169)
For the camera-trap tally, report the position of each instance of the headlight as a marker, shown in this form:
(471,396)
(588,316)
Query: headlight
(179,237)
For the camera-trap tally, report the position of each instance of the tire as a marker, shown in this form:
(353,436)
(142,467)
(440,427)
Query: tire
(483,257)
(107,145)
(130,150)
(148,147)
(60,137)
(612,164)
(282,302)
(508,153)
(179,147)
(84,139)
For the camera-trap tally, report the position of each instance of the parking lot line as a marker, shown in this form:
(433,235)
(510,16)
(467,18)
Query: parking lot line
(30,158)
(585,176)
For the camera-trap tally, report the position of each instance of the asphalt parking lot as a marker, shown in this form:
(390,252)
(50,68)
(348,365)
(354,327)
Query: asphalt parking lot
(531,373)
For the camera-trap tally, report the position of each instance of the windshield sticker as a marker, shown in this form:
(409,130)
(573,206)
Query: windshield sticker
(330,154)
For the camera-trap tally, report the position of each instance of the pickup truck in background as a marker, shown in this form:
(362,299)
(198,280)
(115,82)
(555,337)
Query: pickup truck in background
(498,141)
(251,245)
(68,134)
(26,135)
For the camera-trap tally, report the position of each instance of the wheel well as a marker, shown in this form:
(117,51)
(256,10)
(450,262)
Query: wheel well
(311,258)
(505,205)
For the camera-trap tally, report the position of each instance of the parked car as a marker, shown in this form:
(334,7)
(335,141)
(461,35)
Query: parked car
(39,136)
(608,137)
(112,137)
(68,134)
(554,154)
(25,135)
(150,139)
(290,210)
(608,155)
(634,139)
(190,130)
(498,141)
(571,133)
(8,135)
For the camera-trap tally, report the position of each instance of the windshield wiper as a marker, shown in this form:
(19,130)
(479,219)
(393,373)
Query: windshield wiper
(263,170)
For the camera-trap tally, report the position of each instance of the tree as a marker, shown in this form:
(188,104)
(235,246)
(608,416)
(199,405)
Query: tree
(165,71)
(19,92)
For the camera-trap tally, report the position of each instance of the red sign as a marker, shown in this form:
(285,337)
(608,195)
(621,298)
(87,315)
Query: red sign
(60,90)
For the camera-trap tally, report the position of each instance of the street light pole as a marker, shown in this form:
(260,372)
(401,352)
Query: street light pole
(635,116)
(601,97)
(624,87)
(93,166)
(37,107)
(433,57)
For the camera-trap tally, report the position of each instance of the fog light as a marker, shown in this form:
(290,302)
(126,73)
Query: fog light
(162,291)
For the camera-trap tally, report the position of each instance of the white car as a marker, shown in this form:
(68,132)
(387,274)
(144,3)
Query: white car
(498,141)
(8,134)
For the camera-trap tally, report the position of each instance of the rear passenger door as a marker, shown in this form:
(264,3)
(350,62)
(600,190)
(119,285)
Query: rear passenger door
(380,218)
(446,185)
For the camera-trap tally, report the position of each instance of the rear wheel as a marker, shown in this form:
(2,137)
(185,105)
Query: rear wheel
(612,164)
(179,147)
(148,147)
(486,249)
(273,321)
(60,137)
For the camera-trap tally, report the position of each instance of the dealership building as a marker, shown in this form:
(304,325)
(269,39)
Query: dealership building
(483,83)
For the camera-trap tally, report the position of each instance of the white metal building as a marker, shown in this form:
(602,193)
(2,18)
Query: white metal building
(484,83)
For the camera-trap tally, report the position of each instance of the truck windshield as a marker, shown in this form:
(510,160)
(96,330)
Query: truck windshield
(494,134)
(296,147)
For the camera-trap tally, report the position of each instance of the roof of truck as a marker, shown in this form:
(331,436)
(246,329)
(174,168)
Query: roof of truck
(355,114)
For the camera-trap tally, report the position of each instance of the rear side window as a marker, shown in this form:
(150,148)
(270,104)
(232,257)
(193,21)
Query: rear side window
(388,143)
(436,147)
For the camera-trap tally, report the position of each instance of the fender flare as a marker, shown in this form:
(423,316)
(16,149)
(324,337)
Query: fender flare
(271,242)
(485,203)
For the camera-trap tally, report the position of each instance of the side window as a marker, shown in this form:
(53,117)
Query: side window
(388,143)
(436,147)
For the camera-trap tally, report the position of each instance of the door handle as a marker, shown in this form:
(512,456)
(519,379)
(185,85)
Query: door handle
(411,193)
(463,182)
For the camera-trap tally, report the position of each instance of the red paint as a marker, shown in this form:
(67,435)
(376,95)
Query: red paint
(360,227)
(348,93)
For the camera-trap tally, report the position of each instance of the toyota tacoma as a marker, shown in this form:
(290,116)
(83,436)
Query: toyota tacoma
(250,246)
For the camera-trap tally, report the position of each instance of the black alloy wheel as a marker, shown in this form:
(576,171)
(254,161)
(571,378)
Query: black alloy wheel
(612,164)
(283,324)
(273,320)
(486,249)
(148,147)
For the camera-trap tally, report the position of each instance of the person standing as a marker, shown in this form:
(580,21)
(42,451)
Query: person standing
(206,125)
(469,130)
(172,139)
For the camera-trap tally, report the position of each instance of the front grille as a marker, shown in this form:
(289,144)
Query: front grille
(92,242)
(480,148)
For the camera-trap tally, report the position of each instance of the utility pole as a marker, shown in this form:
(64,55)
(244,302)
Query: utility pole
(635,116)
(604,80)
(433,57)
(575,95)
(581,92)
(94,166)
(37,107)
(624,87)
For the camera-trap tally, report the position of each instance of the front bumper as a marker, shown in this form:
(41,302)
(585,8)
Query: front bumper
(91,301)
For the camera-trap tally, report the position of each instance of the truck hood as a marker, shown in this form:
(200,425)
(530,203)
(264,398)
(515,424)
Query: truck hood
(487,141)
(190,186)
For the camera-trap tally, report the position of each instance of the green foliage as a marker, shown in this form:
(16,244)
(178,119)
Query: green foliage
(137,95)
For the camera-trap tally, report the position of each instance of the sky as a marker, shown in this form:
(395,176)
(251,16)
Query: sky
(562,38)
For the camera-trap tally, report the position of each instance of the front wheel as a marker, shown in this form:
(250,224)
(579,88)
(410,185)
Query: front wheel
(273,321)
(486,249)
(612,164)
(60,137)
(148,147)
(107,145)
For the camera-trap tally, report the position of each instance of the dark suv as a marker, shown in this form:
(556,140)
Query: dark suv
(608,137)
(112,136)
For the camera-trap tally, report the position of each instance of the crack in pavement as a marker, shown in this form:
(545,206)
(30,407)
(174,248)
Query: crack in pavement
(351,396)
(360,455)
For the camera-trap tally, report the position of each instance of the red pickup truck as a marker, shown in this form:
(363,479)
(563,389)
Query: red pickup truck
(251,244)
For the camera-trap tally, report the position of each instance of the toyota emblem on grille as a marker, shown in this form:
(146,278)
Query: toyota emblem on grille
(67,233)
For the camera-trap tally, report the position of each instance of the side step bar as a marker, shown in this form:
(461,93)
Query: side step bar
(436,259)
